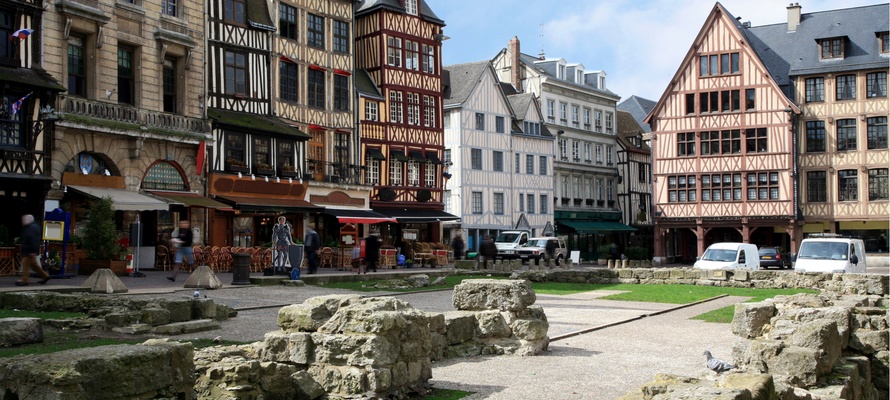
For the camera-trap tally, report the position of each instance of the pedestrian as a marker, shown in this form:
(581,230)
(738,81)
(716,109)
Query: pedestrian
(30,250)
(372,252)
(183,244)
(457,245)
(614,253)
(312,246)
(488,251)
(550,249)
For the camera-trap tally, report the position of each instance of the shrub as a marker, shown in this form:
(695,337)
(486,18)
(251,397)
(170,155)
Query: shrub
(99,236)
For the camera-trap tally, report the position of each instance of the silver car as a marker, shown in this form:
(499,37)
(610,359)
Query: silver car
(536,249)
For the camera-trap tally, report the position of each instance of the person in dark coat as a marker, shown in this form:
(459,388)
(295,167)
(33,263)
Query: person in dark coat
(614,253)
(312,246)
(489,251)
(372,253)
(550,249)
(457,245)
(30,251)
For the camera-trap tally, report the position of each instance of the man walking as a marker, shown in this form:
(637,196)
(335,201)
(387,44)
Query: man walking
(30,251)
(489,251)
(312,245)
(183,243)
(457,245)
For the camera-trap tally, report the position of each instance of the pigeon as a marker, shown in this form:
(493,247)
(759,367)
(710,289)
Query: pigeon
(716,365)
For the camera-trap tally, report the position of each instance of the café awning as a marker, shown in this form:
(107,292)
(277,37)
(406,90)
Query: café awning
(272,205)
(418,216)
(356,216)
(122,199)
(596,226)
(189,199)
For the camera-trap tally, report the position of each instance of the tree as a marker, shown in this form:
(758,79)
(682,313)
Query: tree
(99,237)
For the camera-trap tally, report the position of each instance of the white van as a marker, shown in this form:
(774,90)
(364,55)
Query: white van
(729,255)
(509,242)
(830,253)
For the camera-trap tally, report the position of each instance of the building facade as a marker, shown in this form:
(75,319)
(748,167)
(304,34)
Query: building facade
(576,106)
(502,160)
(635,182)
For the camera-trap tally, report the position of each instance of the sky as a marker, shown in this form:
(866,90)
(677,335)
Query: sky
(638,43)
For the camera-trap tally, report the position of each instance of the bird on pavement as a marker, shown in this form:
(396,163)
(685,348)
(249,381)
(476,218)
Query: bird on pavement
(716,365)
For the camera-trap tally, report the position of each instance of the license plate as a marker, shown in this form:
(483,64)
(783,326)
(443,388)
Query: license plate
(766,257)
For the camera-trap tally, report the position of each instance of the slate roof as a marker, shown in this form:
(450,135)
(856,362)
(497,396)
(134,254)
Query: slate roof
(789,54)
(258,15)
(255,122)
(29,77)
(363,7)
(629,127)
(639,108)
(365,85)
(460,79)
(520,103)
(530,61)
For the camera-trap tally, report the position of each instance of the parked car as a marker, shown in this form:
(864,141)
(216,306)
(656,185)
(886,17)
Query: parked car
(536,249)
(509,242)
(773,257)
(831,253)
(729,256)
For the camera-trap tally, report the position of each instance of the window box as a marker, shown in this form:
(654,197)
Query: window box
(589,202)
(237,168)
(288,173)
(611,203)
(600,203)
(264,169)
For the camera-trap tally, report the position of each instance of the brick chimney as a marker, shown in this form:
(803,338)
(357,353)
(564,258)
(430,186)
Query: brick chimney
(515,76)
(793,16)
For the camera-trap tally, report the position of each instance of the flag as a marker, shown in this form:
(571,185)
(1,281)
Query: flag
(18,104)
(21,33)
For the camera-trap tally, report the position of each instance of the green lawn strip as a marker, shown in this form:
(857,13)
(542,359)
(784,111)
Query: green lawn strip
(724,315)
(444,394)
(5,313)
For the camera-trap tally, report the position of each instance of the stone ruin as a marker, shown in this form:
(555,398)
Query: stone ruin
(802,346)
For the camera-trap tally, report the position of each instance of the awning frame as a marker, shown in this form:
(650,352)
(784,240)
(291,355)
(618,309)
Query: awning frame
(122,199)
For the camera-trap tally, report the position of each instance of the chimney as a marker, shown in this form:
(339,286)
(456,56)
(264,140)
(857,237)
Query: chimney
(515,77)
(793,16)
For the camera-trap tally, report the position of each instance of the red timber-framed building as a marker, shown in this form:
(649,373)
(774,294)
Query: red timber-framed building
(399,52)
(723,149)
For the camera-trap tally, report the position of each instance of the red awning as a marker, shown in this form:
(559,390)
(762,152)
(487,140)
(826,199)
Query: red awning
(342,72)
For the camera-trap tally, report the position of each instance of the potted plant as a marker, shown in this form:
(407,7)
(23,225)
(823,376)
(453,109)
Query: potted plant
(100,241)
(409,263)
(288,171)
(264,169)
(236,165)
(53,263)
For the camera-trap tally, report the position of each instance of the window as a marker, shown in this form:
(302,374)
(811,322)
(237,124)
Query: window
(430,175)
(710,143)
(394,51)
(610,185)
(341,36)
(609,151)
(724,64)
(718,64)
(341,93)
(395,107)
(497,159)
(876,84)
(587,118)
(724,101)
(848,185)
(542,165)
(884,38)
(518,165)
(608,122)
(846,87)
(76,66)
(530,200)
(832,48)
(236,73)
(703,103)
(762,186)
(413,173)
(413,109)
(286,154)
(734,62)
(126,79)
(235,147)
(726,187)
(735,102)
(371,111)
(373,170)
(446,119)
(575,115)
(477,202)
(544,202)
(476,159)
(429,59)
(749,99)
(877,132)
(681,189)
(168,7)
(164,176)
(315,31)
(529,164)
(563,107)
(395,172)
(288,87)
(233,11)
(599,154)
(429,111)
(816,187)
(685,144)
(599,189)
(690,103)
(315,152)
(262,153)
(287,21)
(598,120)
(8,25)
(576,187)
(877,184)
(499,124)
(11,126)
(550,110)
(846,134)
(315,87)
(412,55)
(562,149)
(169,85)
(815,89)
(756,140)
(815,136)
(480,121)
(498,203)
(587,153)
(411,7)
(521,202)
(576,150)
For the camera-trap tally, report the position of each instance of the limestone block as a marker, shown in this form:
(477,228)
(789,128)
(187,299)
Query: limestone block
(822,335)
(179,328)
(465,264)
(491,324)
(529,328)
(203,308)
(17,331)
(760,386)
(203,278)
(643,273)
(661,274)
(104,281)
(379,379)
(460,327)
(135,329)
(880,369)
(378,315)
(741,275)
(312,313)
(840,315)
(493,294)
(625,273)
(355,350)
(437,322)
(122,318)
(419,280)
(717,274)
(750,318)
(155,316)
(287,347)
(868,342)
(180,309)
(802,365)
(437,346)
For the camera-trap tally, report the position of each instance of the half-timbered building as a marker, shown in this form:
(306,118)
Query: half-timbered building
(488,141)
(581,111)
(25,130)
(398,45)
(723,161)
(635,184)
(131,123)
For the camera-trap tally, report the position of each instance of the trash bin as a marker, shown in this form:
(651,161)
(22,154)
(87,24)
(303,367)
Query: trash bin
(240,268)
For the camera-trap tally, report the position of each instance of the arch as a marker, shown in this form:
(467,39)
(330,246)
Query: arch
(92,163)
(722,234)
(165,175)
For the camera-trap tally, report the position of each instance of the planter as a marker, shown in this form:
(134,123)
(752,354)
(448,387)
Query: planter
(87,267)
(237,168)
(288,174)
(265,172)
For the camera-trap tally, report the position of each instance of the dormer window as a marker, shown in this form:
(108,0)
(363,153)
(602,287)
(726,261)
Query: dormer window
(561,72)
(832,48)
(411,7)
(579,77)
(884,39)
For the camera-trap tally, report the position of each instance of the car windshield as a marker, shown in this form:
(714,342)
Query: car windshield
(719,255)
(536,243)
(766,252)
(507,237)
(823,250)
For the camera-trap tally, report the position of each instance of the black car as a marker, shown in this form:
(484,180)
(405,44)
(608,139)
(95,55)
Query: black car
(773,257)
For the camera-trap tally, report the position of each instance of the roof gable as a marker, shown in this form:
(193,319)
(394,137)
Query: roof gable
(363,7)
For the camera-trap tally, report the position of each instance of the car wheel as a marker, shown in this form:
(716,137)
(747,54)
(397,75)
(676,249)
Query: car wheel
(559,260)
